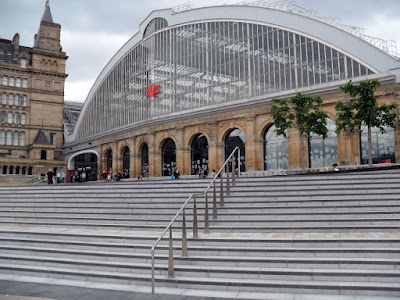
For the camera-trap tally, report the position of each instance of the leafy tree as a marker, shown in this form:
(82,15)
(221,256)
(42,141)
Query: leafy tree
(302,112)
(364,110)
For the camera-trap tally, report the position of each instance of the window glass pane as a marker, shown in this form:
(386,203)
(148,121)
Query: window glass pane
(9,118)
(9,138)
(383,145)
(16,100)
(10,99)
(23,119)
(2,137)
(16,139)
(18,82)
(16,118)
(4,80)
(11,81)
(22,139)
(276,151)
(4,98)
(24,100)
(24,83)
(323,152)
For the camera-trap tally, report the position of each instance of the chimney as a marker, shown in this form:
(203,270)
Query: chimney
(15,43)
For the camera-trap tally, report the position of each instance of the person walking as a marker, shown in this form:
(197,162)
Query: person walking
(50,176)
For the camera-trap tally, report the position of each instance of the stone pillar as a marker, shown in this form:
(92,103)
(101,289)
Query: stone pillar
(355,148)
(213,151)
(115,156)
(253,159)
(397,142)
(182,152)
(154,156)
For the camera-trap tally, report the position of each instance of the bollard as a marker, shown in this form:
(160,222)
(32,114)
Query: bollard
(221,194)
(184,238)
(214,202)
(206,227)
(171,256)
(195,229)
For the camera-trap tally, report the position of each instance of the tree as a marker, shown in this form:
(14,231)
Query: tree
(364,110)
(302,112)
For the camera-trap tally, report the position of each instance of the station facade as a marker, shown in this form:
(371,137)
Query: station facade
(190,86)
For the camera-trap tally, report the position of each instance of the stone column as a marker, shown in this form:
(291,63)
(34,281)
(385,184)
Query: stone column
(182,152)
(154,156)
(213,151)
(253,160)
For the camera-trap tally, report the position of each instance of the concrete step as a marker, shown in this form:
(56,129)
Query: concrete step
(338,286)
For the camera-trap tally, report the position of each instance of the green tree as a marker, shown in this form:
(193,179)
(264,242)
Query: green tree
(302,112)
(364,110)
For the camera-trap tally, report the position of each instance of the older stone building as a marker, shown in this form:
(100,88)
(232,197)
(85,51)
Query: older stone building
(191,85)
(32,100)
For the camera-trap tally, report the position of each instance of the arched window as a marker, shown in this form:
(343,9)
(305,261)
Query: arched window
(236,139)
(9,138)
(323,152)
(2,137)
(199,153)
(18,82)
(16,118)
(168,157)
(11,81)
(22,139)
(145,160)
(276,151)
(9,118)
(10,99)
(23,119)
(383,145)
(5,80)
(25,83)
(16,100)
(24,100)
(3,117)
(16,138)
(4,98)
(109,157)
(126,161)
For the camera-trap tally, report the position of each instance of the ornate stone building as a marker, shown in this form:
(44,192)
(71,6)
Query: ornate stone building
(191,85)
(32,100)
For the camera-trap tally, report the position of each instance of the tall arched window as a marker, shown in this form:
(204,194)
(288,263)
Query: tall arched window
(23,117)
(4,98)
(10,99)
(2,137)
(9,138)
(145,160)
(16,100)
(16,118)
(383,145)
(10,118)
(323,152)
(199,153)
(236,139)
(168,157)
(126,161)
(24,100)
(276,151)
(22,139)
(3,117)
(109,156)
(16,138)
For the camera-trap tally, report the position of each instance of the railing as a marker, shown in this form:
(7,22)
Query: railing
(195,223)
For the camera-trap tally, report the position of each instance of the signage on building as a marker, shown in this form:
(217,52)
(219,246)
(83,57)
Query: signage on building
(152,91)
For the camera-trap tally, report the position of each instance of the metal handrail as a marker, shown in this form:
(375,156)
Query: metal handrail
(169,226)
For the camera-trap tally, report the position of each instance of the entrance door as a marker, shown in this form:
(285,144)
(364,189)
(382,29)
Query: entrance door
(236,139)
(145,160)
(126,161)
(199,153)
(168,158)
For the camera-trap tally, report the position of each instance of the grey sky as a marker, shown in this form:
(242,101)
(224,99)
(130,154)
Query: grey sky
(93,30)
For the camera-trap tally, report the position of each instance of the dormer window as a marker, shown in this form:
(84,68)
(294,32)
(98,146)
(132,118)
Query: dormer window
(23,63)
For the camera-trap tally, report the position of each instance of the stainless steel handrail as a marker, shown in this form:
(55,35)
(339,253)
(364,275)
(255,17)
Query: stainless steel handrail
(169,227)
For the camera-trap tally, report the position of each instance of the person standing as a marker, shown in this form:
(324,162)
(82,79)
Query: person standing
(176,173)
(83,176)
(205,172)
(50,176)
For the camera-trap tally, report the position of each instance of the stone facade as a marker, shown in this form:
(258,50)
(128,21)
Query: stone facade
(35,76)
(253,122)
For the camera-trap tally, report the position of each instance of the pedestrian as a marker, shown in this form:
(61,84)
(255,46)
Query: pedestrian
(104,176)
(58,177)
(205,172)
(62,176)
(76,177)
(200,172)
(50,176)
(145,170)
(140,177)
(83,176)
(176,173)
(213,173)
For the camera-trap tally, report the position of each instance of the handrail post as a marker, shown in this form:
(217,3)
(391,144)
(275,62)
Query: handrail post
(228,189)
(206,227)
(214,203)
(184,238)
(195,229)
(221,192)
(239,165)
(233,170)
(171,256)
(152,272)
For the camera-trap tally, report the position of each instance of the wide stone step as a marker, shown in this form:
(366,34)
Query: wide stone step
(205,260)
(196,249)
(338,286)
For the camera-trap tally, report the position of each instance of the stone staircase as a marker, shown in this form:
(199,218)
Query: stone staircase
(290,237)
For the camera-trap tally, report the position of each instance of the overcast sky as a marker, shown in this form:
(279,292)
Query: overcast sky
(93,30)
